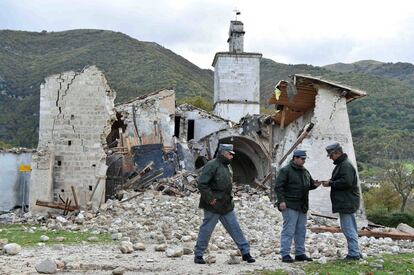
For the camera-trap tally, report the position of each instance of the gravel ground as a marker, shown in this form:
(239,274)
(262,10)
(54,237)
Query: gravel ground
(97,259)
(153,220)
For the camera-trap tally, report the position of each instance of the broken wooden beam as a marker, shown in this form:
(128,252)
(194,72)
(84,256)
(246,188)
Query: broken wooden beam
(130,198)
(169,190)
(67,205)
(262,183)
(56,205)
(75,197)
(282,120)
(131,182)
(94,188)
(367,233)
(370,224)
(302,136)
(146,182)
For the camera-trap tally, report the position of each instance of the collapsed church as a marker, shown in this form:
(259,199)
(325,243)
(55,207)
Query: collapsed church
(90,149)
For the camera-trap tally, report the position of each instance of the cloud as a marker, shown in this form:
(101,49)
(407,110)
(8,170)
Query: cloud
(314,32)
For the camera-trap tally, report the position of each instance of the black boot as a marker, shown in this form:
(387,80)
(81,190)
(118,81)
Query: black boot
(352,258)
(302,258)
(199,260)
(248,258)
(287,259)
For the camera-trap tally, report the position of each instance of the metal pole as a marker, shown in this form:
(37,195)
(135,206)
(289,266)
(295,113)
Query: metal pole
(23,188)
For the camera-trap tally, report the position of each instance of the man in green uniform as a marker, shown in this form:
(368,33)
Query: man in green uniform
(345,197)
(215,185)
(292,187)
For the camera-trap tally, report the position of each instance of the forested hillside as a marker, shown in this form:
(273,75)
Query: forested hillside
(382,122)
(400,71)
(132,67)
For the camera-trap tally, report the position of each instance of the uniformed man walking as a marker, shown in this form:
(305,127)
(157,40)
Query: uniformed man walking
(215,185)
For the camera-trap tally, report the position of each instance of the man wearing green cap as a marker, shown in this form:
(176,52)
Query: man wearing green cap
(345,197)
(215,186)
(292,187)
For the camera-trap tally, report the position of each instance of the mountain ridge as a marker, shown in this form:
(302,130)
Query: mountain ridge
(402,71)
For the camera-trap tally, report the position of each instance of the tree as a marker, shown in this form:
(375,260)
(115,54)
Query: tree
(401,176)
(4,145)
(197,101)
(381,198)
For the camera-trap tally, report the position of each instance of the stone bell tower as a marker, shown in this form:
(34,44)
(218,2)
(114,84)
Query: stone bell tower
(236,78)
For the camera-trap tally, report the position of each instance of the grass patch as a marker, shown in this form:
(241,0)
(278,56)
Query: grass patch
(382,264)
(376,265)
(22,235)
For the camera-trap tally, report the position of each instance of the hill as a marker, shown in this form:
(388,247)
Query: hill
(382,123)
(399,71)
(132,67)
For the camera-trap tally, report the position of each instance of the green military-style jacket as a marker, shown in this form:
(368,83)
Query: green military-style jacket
(215,182)
(345,195)
(292,186)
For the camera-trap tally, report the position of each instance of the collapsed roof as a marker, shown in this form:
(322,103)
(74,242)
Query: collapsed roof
(298,96)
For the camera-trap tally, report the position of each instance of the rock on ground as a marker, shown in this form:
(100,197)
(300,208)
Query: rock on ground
(126,247)
(47,266)
(12,249)
(44,238)
(174,252)
(118,271)
(139,246)
(405,228)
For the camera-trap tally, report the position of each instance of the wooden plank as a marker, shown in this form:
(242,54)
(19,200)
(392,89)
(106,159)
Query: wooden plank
(121,138)
(367,233)
(94,188)
(302,136)
(55,205)
(75,197)
(282,119)
(128,143)
(134,196)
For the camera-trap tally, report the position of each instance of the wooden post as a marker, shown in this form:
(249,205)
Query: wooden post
(94,189)
(282,120)
(121,138)
(272,195)
(75,198)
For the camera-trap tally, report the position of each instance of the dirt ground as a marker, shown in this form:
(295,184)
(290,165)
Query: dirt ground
(102,259)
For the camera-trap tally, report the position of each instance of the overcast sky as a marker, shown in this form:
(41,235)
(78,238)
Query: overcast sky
(316,32)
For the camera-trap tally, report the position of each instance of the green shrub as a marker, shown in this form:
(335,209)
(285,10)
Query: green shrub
(390,219)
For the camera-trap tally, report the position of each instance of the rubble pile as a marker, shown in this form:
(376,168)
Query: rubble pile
(174,221)
(171,223)
(182,184)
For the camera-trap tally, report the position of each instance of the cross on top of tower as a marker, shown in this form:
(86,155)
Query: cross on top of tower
(237,12)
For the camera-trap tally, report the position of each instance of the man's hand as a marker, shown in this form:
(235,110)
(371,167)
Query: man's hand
(213,202)
(325,183)
(317,183)
(282,206)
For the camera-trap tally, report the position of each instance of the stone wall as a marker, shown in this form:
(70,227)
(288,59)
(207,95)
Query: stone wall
(204,122)
(76,111)
(236,37)
(236,84)
(154,118)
